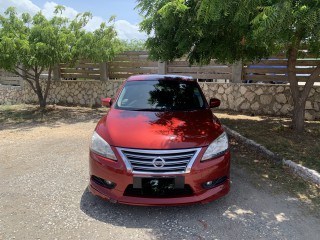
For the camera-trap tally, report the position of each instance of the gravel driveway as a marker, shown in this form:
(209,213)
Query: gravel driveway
(43,195)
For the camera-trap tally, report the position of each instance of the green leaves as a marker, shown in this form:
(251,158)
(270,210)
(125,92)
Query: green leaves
(232,30)
(38,42)
(228,30)
(133,45)
(59,9)
(174,6)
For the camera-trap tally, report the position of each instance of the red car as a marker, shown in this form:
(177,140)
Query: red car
(159,144)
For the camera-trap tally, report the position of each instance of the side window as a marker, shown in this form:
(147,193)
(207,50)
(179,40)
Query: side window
(122,98)
(198,96)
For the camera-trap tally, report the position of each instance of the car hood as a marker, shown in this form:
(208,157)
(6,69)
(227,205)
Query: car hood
(159,130)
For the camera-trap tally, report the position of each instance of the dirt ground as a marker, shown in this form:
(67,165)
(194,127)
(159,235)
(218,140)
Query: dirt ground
(44,195)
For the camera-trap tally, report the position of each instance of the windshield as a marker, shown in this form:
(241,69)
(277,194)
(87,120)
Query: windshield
(160,95)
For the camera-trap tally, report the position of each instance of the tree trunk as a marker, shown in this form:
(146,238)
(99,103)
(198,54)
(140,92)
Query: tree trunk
(298,116)
(299,96)
(48,85)
(298,100)
(42,100)
(34,82)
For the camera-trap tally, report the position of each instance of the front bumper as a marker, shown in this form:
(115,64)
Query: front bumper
(200,173)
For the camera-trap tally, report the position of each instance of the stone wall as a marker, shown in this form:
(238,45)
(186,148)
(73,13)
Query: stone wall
(83,93)
(269,99)
(266,99)
(11,95)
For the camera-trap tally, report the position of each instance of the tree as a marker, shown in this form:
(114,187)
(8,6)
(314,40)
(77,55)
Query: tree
(133,45)
(233,30)
(30,45)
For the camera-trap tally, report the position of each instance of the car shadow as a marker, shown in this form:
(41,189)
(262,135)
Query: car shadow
(252,204)
(160,222)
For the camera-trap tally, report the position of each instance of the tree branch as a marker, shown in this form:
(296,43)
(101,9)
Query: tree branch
(310,82)
(25,73)
(40,71)
(23,76)
(31,84)
(27,79)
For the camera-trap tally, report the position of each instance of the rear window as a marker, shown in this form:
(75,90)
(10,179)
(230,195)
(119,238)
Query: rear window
(160,95)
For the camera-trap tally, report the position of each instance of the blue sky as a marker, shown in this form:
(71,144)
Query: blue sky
(127,18)
(123,9)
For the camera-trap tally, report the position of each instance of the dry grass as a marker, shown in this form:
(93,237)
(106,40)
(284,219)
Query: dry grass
(275,134)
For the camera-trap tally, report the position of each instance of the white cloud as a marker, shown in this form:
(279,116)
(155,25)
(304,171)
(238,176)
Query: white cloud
(94,23)
(21,6)
(49,8)
(125,29)
(128,31)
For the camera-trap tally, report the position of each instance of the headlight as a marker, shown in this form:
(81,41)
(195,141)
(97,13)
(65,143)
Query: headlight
(217,147)
(101,147)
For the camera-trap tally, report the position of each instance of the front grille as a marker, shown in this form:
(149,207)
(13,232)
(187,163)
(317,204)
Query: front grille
(159,161)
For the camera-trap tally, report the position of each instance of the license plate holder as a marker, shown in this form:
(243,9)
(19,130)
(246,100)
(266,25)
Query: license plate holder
(176,182)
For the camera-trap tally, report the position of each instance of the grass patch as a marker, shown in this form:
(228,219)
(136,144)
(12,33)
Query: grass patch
(18,113)
(275,134)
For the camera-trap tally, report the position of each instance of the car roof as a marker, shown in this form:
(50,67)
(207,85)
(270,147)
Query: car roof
(168,77)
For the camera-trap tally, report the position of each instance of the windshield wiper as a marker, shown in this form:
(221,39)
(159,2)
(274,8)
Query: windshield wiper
(148,109)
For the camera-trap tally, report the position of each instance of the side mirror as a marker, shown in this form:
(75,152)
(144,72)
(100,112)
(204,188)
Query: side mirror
(107,102)
(214,102)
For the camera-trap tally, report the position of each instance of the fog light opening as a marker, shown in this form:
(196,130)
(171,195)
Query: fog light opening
(214,183)
(108,182)
(103,182)
(208,183)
